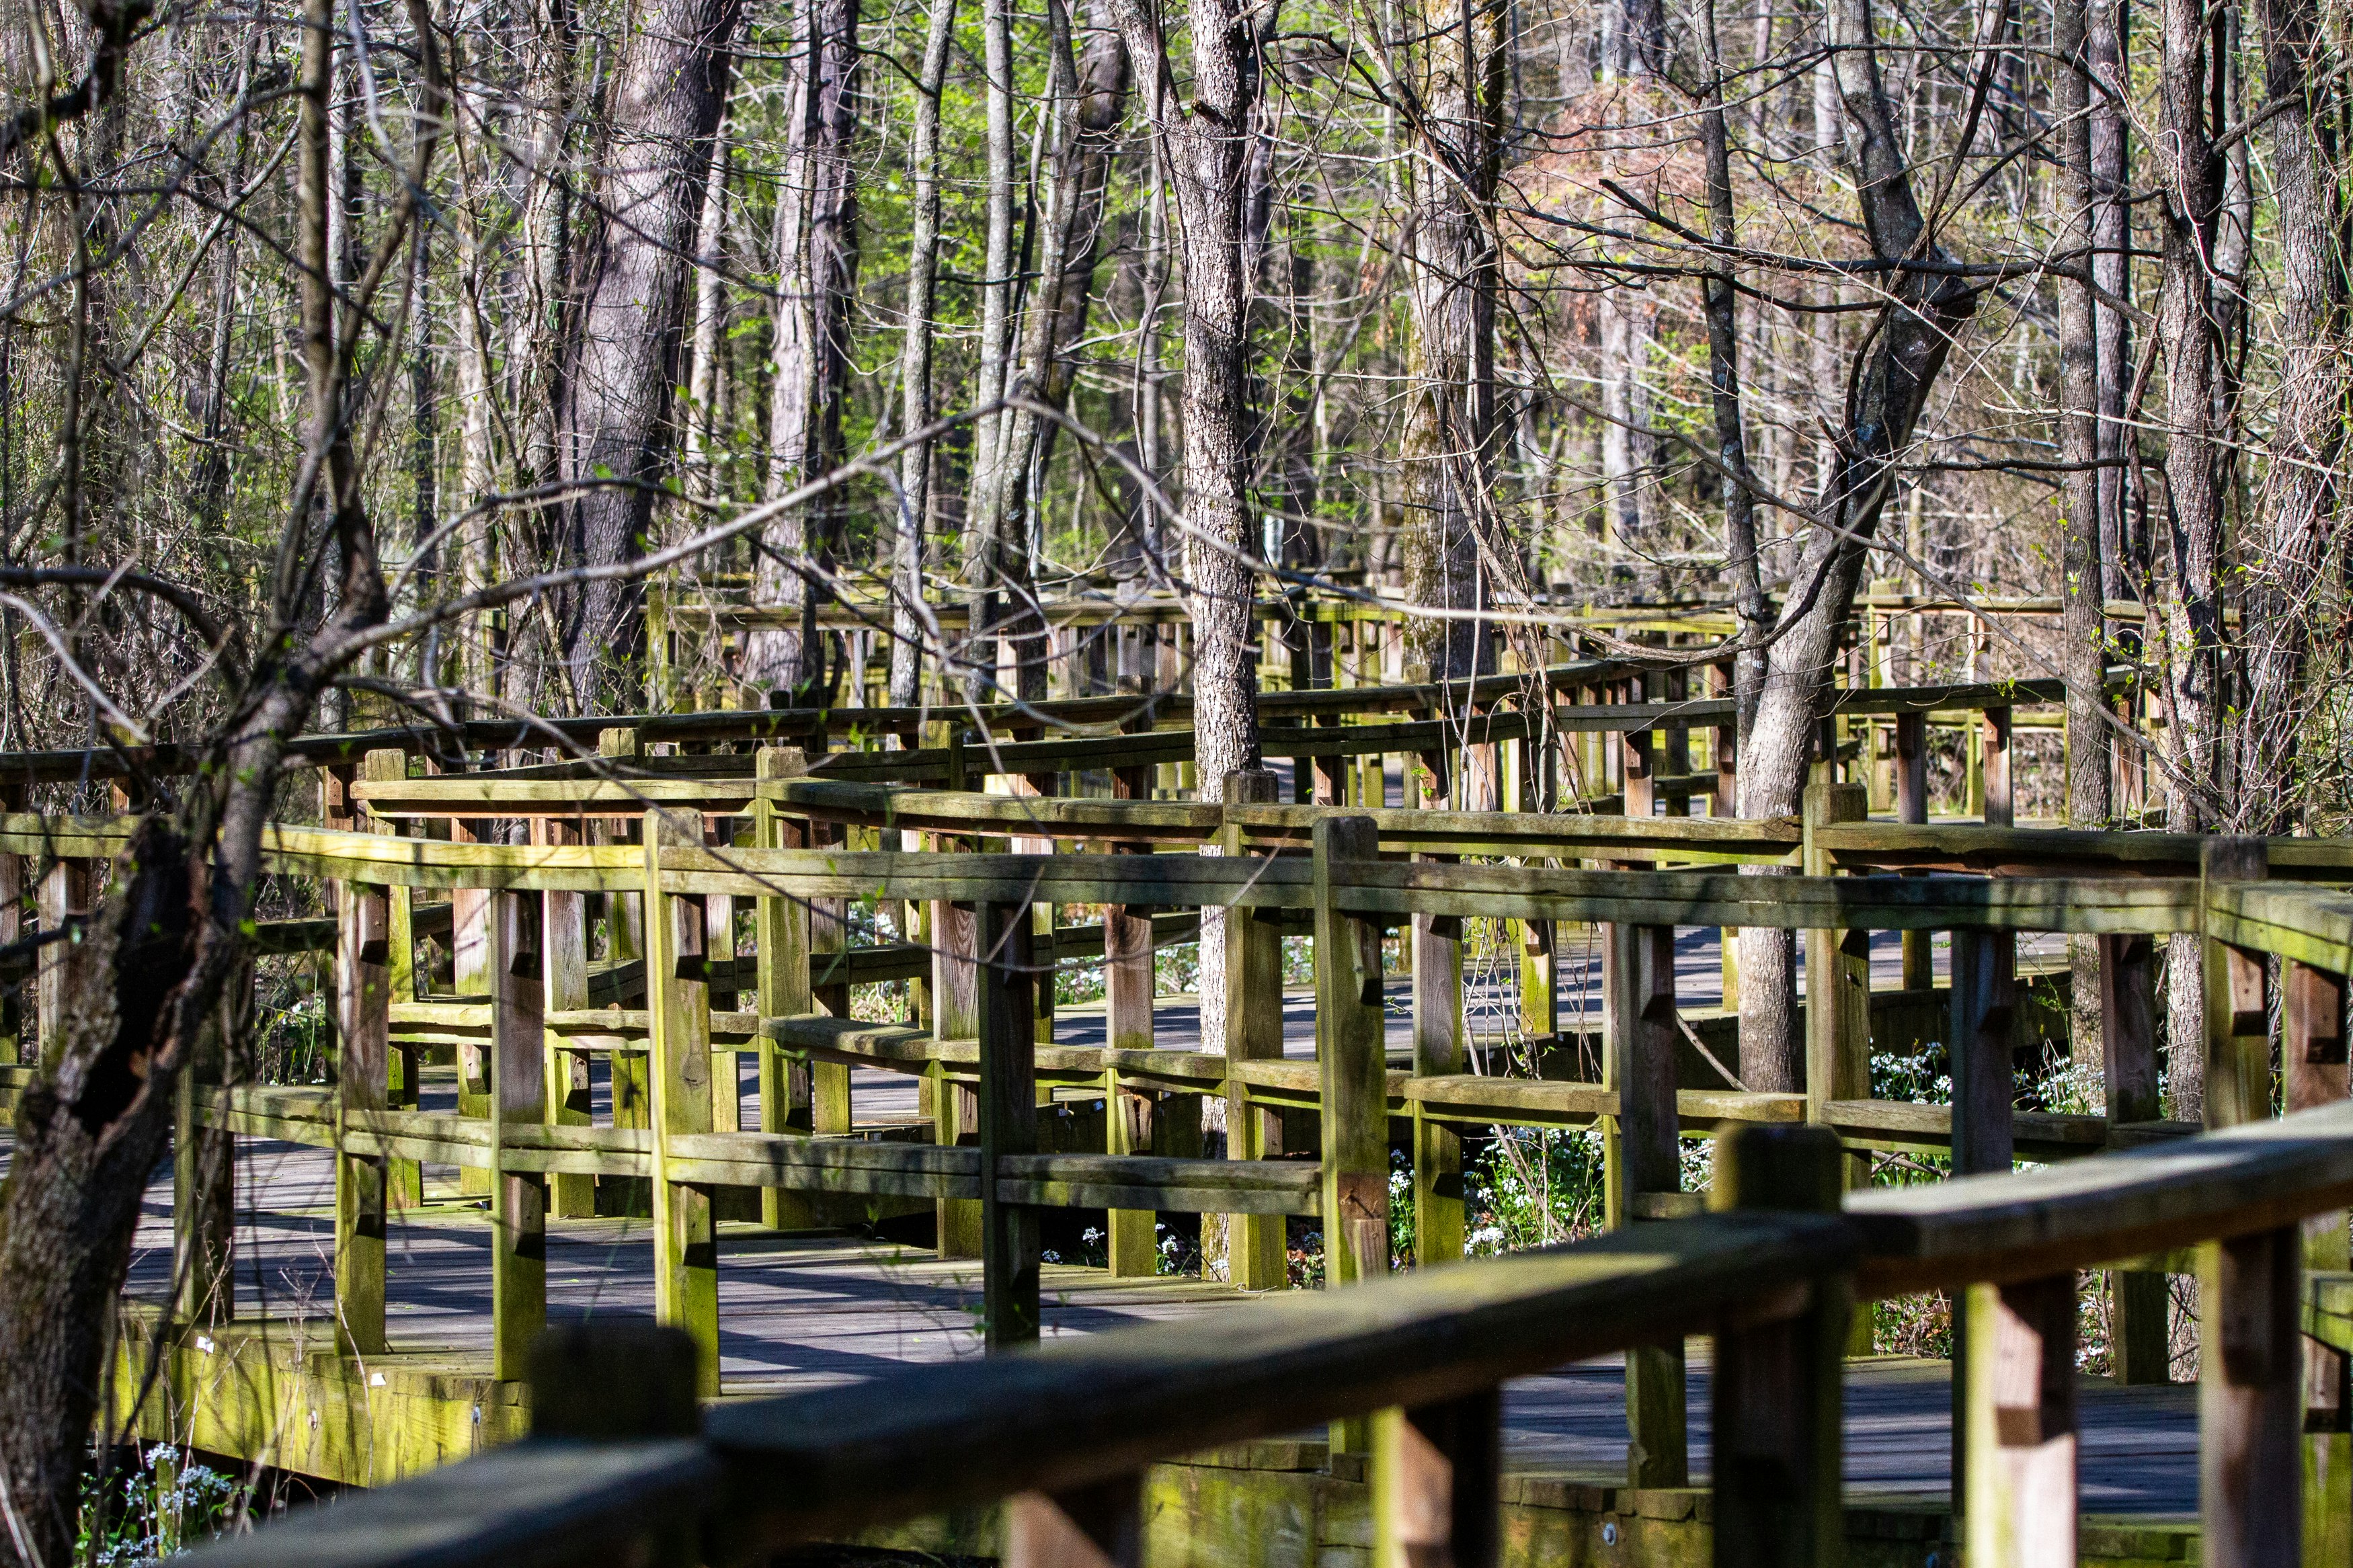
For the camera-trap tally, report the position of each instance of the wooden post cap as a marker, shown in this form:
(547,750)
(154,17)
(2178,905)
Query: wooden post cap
(1777,1165)
(613,1380)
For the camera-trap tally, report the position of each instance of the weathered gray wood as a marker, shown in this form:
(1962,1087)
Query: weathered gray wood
(564,960)
(1912,808)
(1256,1253)
(2140,1303)
(1776,1426)
(955,1015)
(68,891)
(2020,1500)
(686,1275)
(1129,983)
(1640,1155)
(2238,1017)
(1838,978)
(1999,808)
(517,1069)
(2250,1400)
(2312,1057)
(1350,1056)
(793,1098)
(1435,1472)
(1008,1123)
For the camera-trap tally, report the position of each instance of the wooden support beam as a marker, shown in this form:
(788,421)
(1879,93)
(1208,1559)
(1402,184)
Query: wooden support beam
(563,965)
(2250,1400)
(1435,954)
(363,1081)
(2019,1399)
(1776,1426)
(1912,806)
(2140,1301)
(517,1069)
(2238,1015)
(67,892)
(1981,1037)
(1008,1123)
(955,1016)
(1133,1248)
(403,1179)
(1353,1070)
(686,1272)
(1257,1255)
(1998,809)
(2313,1058)
(1098,1526)
(781,948)
(1640,1160)
(1436,1470)
(1838,980)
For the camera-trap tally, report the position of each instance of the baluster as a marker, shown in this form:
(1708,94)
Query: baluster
(2313,1053)
(1779,1385)
(955,1016)
(686,1276)
(2250,1400)
(1641,1161)
(1353,1070)
(811,1099)
(1008,1122)
(1436,1472)
(2238,1018)
(1912,806)
(363,1020)
(1256,1253)
(1097,1526)
(1128,987)
(564,958)
(518,1070)
(2139,1301)
(2020,1397)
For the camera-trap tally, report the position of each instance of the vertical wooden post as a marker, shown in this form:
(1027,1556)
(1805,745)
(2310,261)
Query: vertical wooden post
(1436,956)
(686,1263)
(472,969)
(403,1179)
(1351,1056)
(1256,1253)
(2238,1020)
(362,1019)
(1128,985)
(1981,1037)
(614,1380)
(955,1016)
(1641,1156)
(1641,780)
(2139,1301)
(781,945)
(519,1096)
(65,894)
(1912,806)
(563,964)
(2020,1511)
(1776,1426)
(1353,1069)
(2250,1400)
(1436,1472)
(1838,980)
(1008,1123)
(1099,1526)
(1998,807)
(2313,1055)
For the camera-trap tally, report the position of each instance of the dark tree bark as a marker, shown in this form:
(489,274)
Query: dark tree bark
(1906,353)
(616,413)
(817,253)
(1455,548)
(2082,578)
(2123,562)
(2298,524)
(984,568)
(907,623)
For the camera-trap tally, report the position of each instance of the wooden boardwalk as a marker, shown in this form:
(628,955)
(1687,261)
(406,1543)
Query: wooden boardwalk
(798,1312)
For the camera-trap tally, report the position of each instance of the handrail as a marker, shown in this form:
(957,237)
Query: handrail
(764,1474)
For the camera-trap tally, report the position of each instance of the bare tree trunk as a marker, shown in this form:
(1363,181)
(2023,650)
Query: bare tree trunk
(2192,185)
(984,571)
(1456,549)
(1906,353)
(2299,522)
(616,396)
(816,255)
(907,627)
(2124,569)
(1091,100)
(709,341)
(1721,302)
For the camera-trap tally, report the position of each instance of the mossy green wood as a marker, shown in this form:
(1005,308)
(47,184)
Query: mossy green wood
(1257,1248)
(2238,1015)
(1350,1051)
(564,959)
(686,1280)
(362,1000)
(781,945)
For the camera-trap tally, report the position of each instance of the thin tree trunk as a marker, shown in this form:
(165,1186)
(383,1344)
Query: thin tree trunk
(818,257)
(983,570)
(907,623)
(2192,187)
(710,323)
(1721,302)
(1456,548)
(2124,569)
